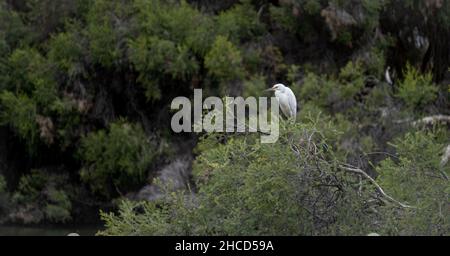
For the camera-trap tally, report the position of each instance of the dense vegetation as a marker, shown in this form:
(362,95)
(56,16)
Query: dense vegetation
(85,93)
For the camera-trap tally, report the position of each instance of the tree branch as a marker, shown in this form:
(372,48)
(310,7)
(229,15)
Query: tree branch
(433,119)
(426,120)
(379,188)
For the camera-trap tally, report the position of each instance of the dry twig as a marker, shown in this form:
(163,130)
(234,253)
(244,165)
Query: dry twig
(379,188)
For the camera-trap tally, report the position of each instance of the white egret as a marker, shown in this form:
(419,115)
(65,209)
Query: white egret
(387,75)
(286,99)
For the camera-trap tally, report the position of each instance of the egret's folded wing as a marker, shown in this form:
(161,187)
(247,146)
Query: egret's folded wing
(292,102)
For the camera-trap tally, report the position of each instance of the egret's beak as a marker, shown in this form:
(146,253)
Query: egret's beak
(269,90)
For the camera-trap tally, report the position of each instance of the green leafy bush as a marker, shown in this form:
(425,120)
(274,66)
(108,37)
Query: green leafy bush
(417,178)
(108,28)
(119,156)
(248,188)
(42,196)
(66,52)
(255,87)
(153,57)
(69,67)
(176,21)
(299,186)
(241,22)
(19,112)
(335,93)
(224,61)
(58,207)
(282,16)
(47,16)
(13,30)
(28,67)
(416,90)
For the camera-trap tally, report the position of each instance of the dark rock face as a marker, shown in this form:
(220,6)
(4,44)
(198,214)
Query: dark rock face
(174,176)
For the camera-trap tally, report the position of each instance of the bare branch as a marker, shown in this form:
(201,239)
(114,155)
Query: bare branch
(433,119)
(379,188)
(429,120)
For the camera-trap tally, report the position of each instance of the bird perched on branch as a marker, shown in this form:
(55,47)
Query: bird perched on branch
(286,99)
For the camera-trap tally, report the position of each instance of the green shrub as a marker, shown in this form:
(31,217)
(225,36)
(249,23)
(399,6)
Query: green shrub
(255,87)
(416,90)
(58,207)
(66,52)
(374,62)
(351,80)
(248,188)
(241,22)
(176,21)
(224,61)
(55,213)
(173,40)
(27,67)
(108,27)
(372,11)
(284,18)
(31,186)
(153,57)
(43,196)
(19,112)
(417,178)
(334,93)
(47,16)
(13,30)
(319,90)
(119,156)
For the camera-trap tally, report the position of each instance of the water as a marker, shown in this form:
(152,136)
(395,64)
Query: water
(47,230)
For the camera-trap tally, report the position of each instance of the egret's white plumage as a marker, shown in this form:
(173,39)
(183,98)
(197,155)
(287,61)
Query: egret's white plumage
(387,75)
(286,99)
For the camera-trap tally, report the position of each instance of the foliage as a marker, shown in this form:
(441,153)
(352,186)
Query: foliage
(20,113)
(119,156)
(42,196)
(58,207)
(254,87)
(153,57)
(248,188)
(28,69)
(224,60)
(334,93)
(66,52)
(70,70)
(107,31)
(46,16)
(351,78)
(241,22)
(176,22)
(416,177)
(416,90)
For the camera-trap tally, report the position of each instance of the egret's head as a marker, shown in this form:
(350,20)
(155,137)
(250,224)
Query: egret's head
(277,87)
